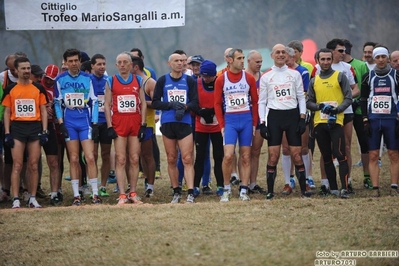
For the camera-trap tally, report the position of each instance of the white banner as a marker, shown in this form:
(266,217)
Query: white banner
(93,14)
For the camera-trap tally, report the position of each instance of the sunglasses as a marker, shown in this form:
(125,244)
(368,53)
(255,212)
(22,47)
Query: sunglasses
(341,50)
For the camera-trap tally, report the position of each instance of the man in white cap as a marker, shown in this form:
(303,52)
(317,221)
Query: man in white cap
(379,99)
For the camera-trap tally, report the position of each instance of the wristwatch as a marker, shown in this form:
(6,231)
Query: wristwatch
(45,132)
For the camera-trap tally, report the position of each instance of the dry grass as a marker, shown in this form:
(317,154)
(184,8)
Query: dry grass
(285,231)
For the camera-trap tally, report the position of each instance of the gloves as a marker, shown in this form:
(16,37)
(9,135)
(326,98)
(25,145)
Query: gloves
(208,119)
(264,131)
(64,131)
(176,105)
(179,114)
(9,140)
(142,131)
(331,121)
(301,128)
(325,108)
(206,112)
(95,133)
(43,138)
(367,128)
(333,111)
(111,133)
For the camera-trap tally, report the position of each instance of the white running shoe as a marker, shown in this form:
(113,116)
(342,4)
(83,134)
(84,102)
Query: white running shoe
(225,197)
(16,204)
(244,197)
(33,203)
(176,198)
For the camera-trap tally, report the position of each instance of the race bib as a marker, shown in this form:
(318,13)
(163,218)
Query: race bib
(25,108)
(381,104)
(325,116)
(283,92)
(177,96)
(237,102)
(101,101)
(127,104)
(74,100)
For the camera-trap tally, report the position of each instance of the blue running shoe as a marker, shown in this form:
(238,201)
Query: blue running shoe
(311,182)
(196,192)
(67,178)
(219,191)
(292,182)
(111,179)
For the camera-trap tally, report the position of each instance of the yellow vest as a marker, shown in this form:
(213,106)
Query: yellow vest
(150,115)
(328,91)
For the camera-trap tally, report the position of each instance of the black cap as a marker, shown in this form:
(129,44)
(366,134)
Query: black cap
(36,70)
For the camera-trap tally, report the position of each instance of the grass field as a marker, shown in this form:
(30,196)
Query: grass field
(285,231)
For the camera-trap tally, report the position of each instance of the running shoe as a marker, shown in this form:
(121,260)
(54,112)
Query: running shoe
(96,199)
(176,198)
(394,192)
(116,189)
(103,192)
(197,192)
(55,201)
(367,183)
(122,199)
(234,180)
(33,203)
(375,193)
(311,183)
(4,197)
(158,175)
(292,182)
(207,190)
(40,193)
(219,191)
(226,196)
(16,204)
(287,190)
(269,196)
(344,194)
(323,191)
(149,193)
(257,190)
(190,198)
(134,198)
(244,197)
(76,201)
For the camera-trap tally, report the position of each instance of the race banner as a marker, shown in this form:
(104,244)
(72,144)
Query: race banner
(93,14)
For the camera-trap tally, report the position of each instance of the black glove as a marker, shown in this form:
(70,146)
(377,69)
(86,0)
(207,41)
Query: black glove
(208,119)
(326,108)
(301,128)
(142,131)
(176,105)
(264,131)
(331,121)
(9,140)
(206,112)
(179,114)
(111,133)
(43,138)
(367,128)
(64,131)
(321,106)
(95,132)
(333,111)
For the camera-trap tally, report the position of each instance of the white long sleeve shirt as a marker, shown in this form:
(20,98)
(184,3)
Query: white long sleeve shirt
(281,89)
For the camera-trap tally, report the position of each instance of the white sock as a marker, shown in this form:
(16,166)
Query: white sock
(306,162)
(243,191)
(286,164)
(325,182)
(94,186)
(75,187)
(53,195)
(252,185)
(149,186)
(227,187)
(349,180)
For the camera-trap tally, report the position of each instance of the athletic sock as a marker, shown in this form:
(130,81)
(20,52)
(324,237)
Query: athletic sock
(271,172)
(75,187)
(149,186)
(252,185)
(325,183)
(243,190)
(301,177)
(306,163)
(94,185)
(53,195)
(286,165)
